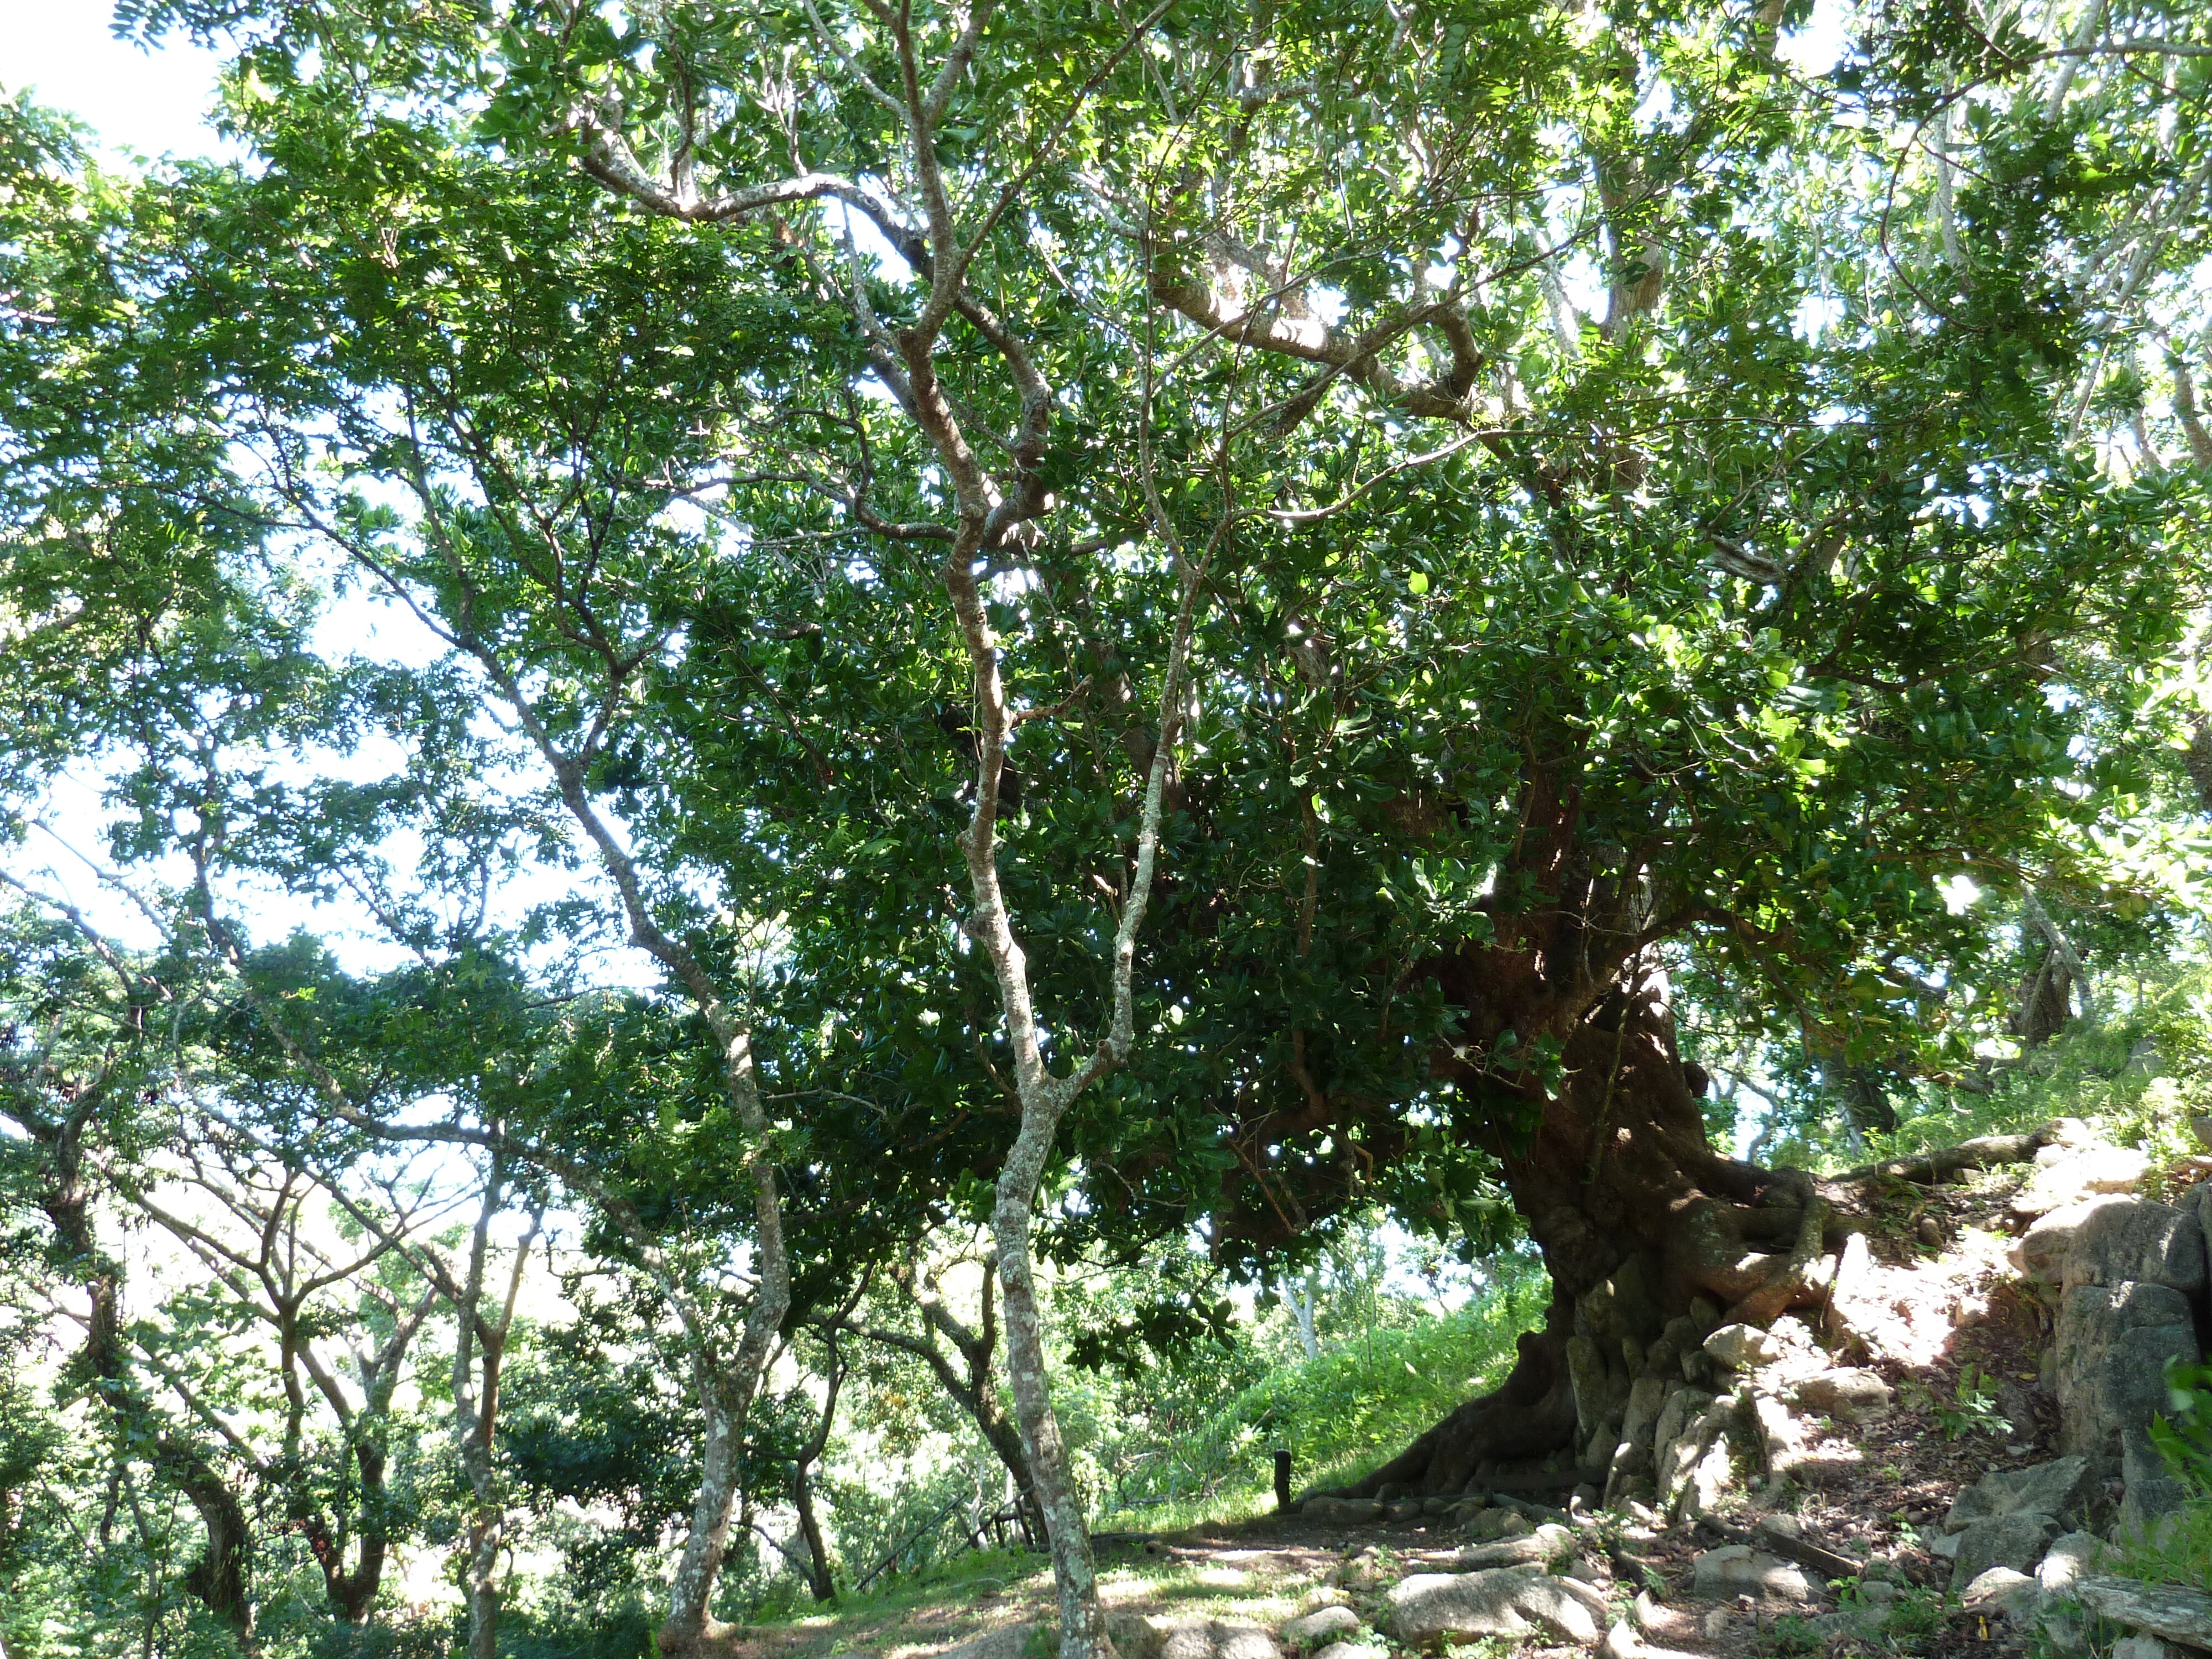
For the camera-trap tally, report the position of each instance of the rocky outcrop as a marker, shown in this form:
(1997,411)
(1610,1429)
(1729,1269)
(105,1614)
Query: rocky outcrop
(2061,1491)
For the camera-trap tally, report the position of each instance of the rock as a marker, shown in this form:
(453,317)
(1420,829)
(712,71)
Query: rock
(1646,1612)
(2167,1610)
(1211,1639)
(2154,1491)
(2201,1126)
(2069,1558)
(1739,1569)
(1848,1394)
(1505,1601)
(1404,1509)
(1347,1650)
(1647,1397)
(2040,1254)
(1863,1622)
(1321,1626)
(1715,1624)
(2112,1345)
(1877,1592)
(1741,1346)
(1947,1546)
(2141,1647)
(2067,1175)
(1621,1642)
(2061,1489)
(2118,1243)
(1549,1542)
(2016,1541)
(2002,1590)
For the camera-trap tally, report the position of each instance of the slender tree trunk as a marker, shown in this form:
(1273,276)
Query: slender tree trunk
(1075,1574)
(1301,1303)
(818,1579)
(479,1350)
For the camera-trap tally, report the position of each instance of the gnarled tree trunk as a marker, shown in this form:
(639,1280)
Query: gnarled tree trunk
(1638,1218)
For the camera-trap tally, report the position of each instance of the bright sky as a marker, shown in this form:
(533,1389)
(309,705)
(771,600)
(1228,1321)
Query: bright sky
(155,103)
(151,102)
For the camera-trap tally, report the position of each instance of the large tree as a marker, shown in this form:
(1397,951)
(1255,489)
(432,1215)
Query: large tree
(1482,505)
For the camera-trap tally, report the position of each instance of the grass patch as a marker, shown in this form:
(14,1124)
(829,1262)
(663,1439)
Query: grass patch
(1339,1415)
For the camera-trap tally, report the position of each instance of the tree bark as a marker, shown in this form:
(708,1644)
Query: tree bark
(1075,1574)
(1301,1303)
(1637,1219)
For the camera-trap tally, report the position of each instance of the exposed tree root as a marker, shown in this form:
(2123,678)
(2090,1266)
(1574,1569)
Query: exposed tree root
(1743,1244)
(1983,1152)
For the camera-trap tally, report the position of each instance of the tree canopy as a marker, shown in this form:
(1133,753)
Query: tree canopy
(791,628)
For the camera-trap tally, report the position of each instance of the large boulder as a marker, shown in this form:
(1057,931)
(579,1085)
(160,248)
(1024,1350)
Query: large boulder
(2154,1491)
(2014,1541)
(1847,1394)
(2113,1343)
(1200,1639)
(2041,1252)
(2061,1489)
(1741,1347)
(1736,1570)
(1505,1601)
(2067,1175)
(1549,1542)
(2122,1243)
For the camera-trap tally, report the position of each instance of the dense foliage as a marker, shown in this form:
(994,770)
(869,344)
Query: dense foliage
(767,766)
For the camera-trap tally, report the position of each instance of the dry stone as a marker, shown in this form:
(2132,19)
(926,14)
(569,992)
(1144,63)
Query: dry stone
(1740,1570)
(2001,1590)
(2067,1175)
(2143,1647)
(1210,1638)
(2112,1346)
(1321,1626)
(2167,1610)
(2016,1541)
(1549,1542)
(1741,1346)
(2120,1244)
(1505,1601)
(2069,1559)
(2040,1253)
(2061,1489)
(1848,1394)
(1347,1650)
(2153,1489)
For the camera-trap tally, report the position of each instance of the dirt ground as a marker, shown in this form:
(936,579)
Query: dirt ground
(1872,1492)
